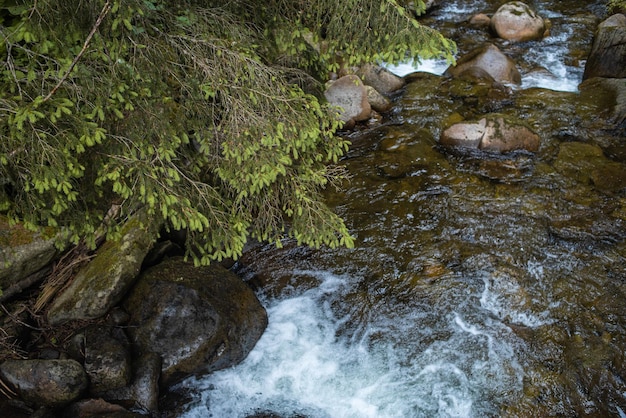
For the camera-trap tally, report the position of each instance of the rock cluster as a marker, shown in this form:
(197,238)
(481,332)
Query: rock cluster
(135,332)
(357,97)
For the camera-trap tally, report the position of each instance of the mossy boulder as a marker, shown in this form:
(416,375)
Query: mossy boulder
(23,252)
(103,283)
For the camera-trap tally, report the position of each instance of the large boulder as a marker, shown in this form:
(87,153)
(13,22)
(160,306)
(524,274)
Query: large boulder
(492,133)
(51,383)
(349,95)
(487,59)
(198,319)
(608,53)
(515,21)
(105,280)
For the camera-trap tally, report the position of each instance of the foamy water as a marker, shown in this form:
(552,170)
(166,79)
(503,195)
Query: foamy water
(307,364)
(550,58)
(548,55)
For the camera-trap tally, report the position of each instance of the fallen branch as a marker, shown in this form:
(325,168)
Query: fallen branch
(24,284)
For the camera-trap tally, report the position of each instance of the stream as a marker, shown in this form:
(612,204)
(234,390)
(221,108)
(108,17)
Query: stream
(479,286)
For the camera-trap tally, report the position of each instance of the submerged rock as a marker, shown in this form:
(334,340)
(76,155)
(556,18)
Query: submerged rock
(491,133)
(516,21)
(197,319)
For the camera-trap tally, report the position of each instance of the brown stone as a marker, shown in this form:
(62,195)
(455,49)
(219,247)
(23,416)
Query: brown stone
(490,60)
(493,133)
(515,21)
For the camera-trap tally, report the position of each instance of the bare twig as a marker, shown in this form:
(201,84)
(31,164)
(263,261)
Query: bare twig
(101,16)
(23,284)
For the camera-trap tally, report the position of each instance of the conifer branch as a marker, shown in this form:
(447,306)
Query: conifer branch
(101,16)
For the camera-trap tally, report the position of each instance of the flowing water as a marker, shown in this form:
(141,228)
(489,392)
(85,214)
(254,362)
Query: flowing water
(479,286)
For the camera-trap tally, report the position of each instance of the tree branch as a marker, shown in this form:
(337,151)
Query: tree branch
(101,16)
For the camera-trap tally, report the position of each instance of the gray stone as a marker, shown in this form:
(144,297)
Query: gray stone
(107,359)
(608,53)
(377,101)
(349,95)
(45,382)
(384,81)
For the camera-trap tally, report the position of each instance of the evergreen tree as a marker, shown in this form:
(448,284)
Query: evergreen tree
(206,114)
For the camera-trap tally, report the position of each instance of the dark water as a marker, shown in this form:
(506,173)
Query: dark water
(480,286)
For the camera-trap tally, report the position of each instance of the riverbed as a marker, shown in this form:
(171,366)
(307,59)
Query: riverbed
(480,285)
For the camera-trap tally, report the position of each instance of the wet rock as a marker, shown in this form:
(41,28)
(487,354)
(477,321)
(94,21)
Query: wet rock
(51,383)
(377,101)
(143,393)
(196,319)
(107,359)
(22,252)
(490,60)
(515,21)
(608,54)
(480,20)
(105,280)
(146,384)
(89,408)
(384,81)
(493,133)
(609,96)
(349,95)
(587,164)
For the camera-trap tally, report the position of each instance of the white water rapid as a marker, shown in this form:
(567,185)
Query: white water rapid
(554,70)
(457,359)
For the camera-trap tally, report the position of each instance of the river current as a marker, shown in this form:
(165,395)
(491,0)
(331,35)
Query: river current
(472,291)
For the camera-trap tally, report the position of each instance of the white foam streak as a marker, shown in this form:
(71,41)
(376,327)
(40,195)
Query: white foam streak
(433,66)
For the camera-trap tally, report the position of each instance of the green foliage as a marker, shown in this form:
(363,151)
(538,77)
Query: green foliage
(616,5)
(202,112)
